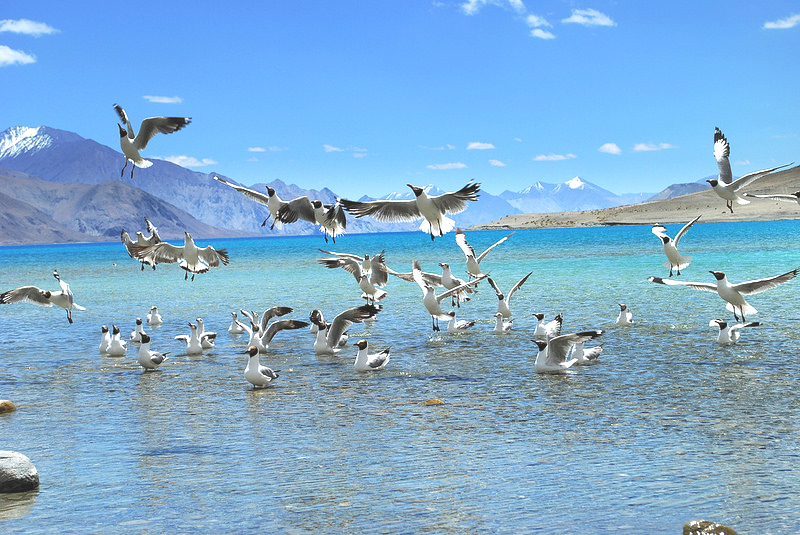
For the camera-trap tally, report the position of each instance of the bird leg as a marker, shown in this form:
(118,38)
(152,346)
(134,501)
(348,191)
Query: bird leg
(142,266)
(122,173)
(132,168)
(186,275)
(433,324)
(730,206)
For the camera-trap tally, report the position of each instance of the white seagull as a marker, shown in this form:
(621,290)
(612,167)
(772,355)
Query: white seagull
(257,375)
(432,301)
(331,218)
(131,143)
(365,362)
(236,327)
(674,258)
(117,347)
(725,186)
(501,326)
(458,326)
(625,317)
(207,338)
(330,334)
(194,344)
(504,301)
(449,281)
(370,281)
(553,354)
(793,198)
(105,340)
(733,294)
(37,296)
(586,357)
(153,317)
(271,200)
(192,259)
(142,241)
(473,261)
(136,335)
(540,330)
(149,359)
(433,209)
(729,334)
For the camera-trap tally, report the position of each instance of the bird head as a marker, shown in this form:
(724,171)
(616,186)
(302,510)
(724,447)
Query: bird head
(416,189)
(104,329)
(452,313)
(138,321)
(540,344)
(718,323)
(500,297)
(718,275)
(712,181)
(538,315)
(665,239)
(115,329)
(122,131)
(361,344)
(498,315)
(251,351)
(145,338)
(317,204)
(622,306)
(270,191)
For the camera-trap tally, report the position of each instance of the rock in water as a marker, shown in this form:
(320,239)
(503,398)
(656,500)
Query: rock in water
(6,406)
(706,527)
(17,473)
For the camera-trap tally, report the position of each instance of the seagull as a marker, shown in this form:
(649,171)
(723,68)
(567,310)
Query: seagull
(674,258)
(207,338)
(725,186)
(136,335)
(586,356)
(149,359)
(262,320)
(330,334)
(142,241)
(733,294)
(194,344)
(433,209)
(153,317)
(117,347)
(365,362)
(504,301)
(474,262)
(235,327)
(366,261)
(271,200)
(729,334)
(37,296)
(370,283)
(105,340)
(458,326)
(331,218)
(257,375)
(192,259)
(552,355)
(450,282)
(539,331)
(501,326)
(553,327)
(432,301)
(625,317)
(794,197)
(131,143)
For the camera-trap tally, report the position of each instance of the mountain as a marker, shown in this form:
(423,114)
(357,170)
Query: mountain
(684,188)
(574,194)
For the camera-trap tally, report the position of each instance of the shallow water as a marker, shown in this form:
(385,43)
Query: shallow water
(670,426)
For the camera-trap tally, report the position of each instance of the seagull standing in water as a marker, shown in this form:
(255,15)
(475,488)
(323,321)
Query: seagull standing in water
(153,317)
(553,354)
(504,301)
(674,258)
(136,335)
(625,317)
(236,327)
(458,326)
(142,241)
(207,338)
(105,340)
(473,261)
(192,259)
(432,209)
(147,358)
(117,347)
(501,326)
(729,334)
(432,301)
(733,294)
(194,344)
(724,185)
(330,334)
(271,200)
(365,362)
(131,143)
(257,375)
(37,296)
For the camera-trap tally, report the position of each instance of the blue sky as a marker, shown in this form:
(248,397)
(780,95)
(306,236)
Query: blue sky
(365,96)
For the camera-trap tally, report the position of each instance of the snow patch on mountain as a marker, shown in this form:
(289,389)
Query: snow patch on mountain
(23,139)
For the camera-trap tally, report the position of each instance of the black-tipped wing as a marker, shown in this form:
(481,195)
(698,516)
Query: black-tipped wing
(558,347)
(459,288)
(272,312)
(517,286)
(456,201)
(31,294)
(212,257)
(384,210)
(281,325)
(247,192)
(760,285)
(749,178)
(158,125)
(722,151)
(299,208)
(345,319)
(686,227)
(703,286)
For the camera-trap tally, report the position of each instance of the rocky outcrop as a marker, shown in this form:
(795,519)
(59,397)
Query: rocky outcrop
(706,527)
(17,473)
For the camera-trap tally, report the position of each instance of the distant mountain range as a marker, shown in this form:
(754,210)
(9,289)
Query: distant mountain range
(59,186)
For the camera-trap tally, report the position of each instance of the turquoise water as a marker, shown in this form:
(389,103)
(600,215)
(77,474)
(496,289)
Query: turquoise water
(670,426)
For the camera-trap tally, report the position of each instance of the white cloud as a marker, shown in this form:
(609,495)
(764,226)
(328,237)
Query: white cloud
(256,149)
(471,7)
(589,17)
(477,145)
(535,21)
(783,24)
(331,148)
(496,163)
(443,147)
(742,162)
(610,148)
(9,56)
(27,27)
(189,161)
(649,147)
(163,100)
(443,166)
(553,157)
(359,152)
(542,34)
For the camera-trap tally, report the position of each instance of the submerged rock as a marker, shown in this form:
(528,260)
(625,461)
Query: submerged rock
(6,406)
(706,527)
(17,473)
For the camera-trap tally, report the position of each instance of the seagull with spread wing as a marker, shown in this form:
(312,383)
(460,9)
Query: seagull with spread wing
(504,301)
(271,200)
(473,260)
(793,197)
(131,143)
(142,241)
(47,298)
(674,258)
(192,259)
(432,301)
(330,217)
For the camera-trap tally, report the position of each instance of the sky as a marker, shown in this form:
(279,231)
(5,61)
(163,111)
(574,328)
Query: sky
(366,96)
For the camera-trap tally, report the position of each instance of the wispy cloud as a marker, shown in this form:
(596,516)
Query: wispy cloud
(471,7)
(496,163)
(189,161)
(742,162)
(537,23)
(443,147)
(256,149)
(783,24)
(542,34)
(9,56)
(589,17)
(477,145)
(553,157)
(649,147)
(444,166)
(331,148)
(358,152)
(163,100)
(610,148)
(27,27)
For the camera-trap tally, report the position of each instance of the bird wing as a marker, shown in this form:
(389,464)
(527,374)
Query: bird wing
(252,316)
(461,240)
(416,274)
(722,151)
(273,312)
(212,257)
(756,286)
(686,227)
(335,214)
(379,359)
(247,192)
(704,286)
(483,254)
(31,294)
(281,325)
(345,319)
(743,325)
(183,337)
(122,115)
(384,210)
(153,230)
(379,273)
(456,201)
(517,286)
(127,241)
(431,278)
(342,255)
(774,196)
(299,208)
(552,328)
(558,347)
(348,264)
(159,253)
(749,178)
(495,286)
(459,288)
(158,125)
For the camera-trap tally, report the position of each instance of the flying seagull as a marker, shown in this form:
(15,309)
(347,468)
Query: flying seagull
(725,186)
(433,209)
(271,200)
(432,301)
(141,240)
(192,259)
(733,294)
(504,301)
(131,143)
(674,258)
(330,217)
(473,260)
(37,296)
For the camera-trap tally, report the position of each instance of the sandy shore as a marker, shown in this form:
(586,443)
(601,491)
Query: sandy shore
(675,210)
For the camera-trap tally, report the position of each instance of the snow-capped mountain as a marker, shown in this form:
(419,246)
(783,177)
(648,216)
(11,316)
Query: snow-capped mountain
(574,194)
